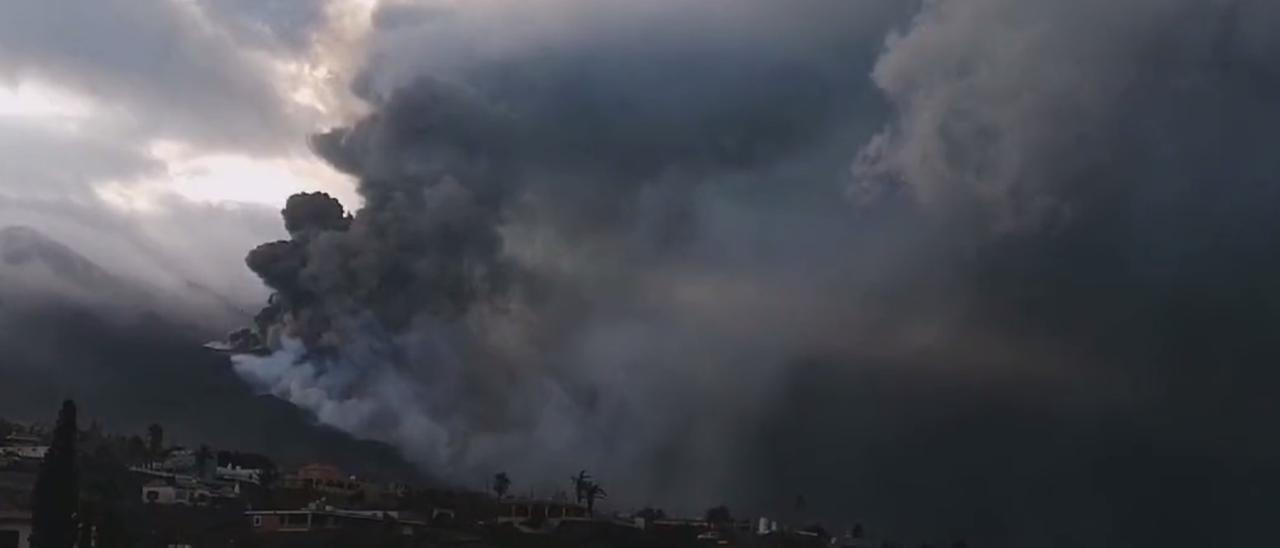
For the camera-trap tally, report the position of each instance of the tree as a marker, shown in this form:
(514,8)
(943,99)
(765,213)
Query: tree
(587,491)
(136,449)
(56,493)
(651,514)
(592,493)
(106,491)
(204,458)
(155,439)
(580,484)
(357,498)
(501,483)
(719,515)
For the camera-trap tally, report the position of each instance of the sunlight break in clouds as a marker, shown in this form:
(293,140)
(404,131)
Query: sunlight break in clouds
(43,102)
(221,177)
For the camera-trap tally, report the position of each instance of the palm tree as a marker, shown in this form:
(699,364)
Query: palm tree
(501,483)
(593,492)
(580,483)
(155,439)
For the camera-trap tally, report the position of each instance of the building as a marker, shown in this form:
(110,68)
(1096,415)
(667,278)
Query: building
(540,516)
(321,519)
(179,460)
(188,491)
(238,474)
(18,440)
(15,525)
(327,479)
(164,492)
(25,452)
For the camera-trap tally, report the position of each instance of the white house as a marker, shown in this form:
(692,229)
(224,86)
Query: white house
(162,492)
(15,528)
(34,452)
(238,474)
(179,460)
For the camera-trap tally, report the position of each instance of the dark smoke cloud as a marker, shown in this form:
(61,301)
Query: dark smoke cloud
(1114,161)
(1038,315)
(532,214)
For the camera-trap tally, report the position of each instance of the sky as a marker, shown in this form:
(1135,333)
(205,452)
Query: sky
(1000,270)
(153,116)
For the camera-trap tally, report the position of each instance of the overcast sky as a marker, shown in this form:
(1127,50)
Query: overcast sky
(997,269)
(131,128)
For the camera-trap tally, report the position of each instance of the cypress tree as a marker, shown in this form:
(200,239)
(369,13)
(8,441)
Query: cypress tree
(56,494)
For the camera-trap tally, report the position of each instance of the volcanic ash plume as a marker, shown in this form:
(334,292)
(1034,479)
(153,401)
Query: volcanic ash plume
(620,237)
(379,317)
(550,245)
(605,239)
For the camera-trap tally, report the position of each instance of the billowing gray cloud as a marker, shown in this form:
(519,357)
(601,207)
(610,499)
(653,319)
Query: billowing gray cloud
(271,23)
(1006,275)
(89,90)
(160,69)
(1111,164)
(34,160)
(1023,320)
(536,221)
(169,249)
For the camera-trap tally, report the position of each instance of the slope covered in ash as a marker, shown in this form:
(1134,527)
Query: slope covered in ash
(130,357)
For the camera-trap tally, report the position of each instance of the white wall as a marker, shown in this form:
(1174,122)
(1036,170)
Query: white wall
(21,525)
(165,494)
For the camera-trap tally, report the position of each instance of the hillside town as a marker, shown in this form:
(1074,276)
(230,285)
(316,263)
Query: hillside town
(139,490)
